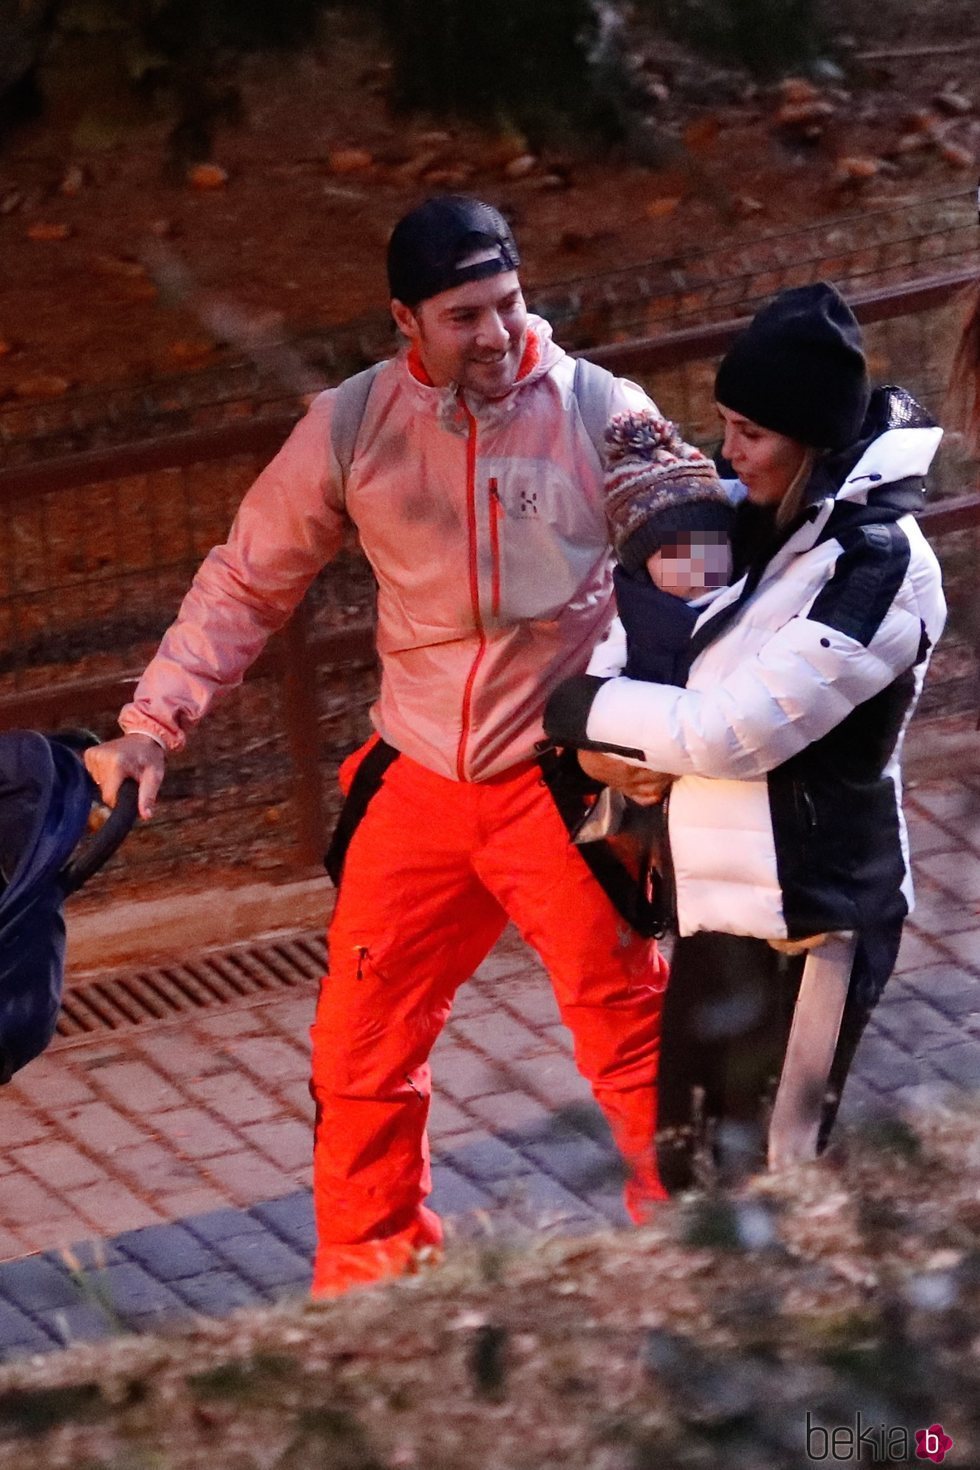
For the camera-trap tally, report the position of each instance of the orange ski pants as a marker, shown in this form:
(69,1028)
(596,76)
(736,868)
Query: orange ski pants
(434,870)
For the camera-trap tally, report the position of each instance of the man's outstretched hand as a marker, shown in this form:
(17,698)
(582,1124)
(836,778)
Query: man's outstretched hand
(136,756)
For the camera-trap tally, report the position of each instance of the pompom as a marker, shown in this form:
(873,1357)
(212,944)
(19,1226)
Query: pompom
(647,436)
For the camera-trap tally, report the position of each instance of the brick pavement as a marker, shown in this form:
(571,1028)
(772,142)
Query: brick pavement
(173,1161)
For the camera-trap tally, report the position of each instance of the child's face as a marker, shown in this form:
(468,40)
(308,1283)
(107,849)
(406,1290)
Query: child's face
(694,563)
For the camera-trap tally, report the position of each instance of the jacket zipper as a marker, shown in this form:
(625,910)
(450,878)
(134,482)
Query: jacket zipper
(496,512)
(464,734)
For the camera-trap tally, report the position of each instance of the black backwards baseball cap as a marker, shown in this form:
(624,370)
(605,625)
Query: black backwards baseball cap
(429,245)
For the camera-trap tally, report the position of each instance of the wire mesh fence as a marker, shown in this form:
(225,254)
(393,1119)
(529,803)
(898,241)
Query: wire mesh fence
(98,547)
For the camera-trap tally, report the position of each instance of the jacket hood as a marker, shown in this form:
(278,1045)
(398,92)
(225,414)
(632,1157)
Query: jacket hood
(445,400)
(886,465)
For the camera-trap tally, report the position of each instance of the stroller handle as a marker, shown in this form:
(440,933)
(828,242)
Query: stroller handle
(105,842)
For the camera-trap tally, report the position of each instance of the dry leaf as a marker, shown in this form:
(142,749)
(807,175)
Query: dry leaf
(957,155)
(48,230)
(11,200)
(660,208)
(521,166)
(5,347)
(798,90)
(119,265)
(855,170)
(349,160)
(73,181)
(954,103)
(449,178)
(42,385)
(700,135)
(188,352)
(207,176)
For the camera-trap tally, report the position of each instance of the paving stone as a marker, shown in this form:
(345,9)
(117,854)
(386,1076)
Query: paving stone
(154,1169)
(138,1087)
(454,1195)
(291,1219)
(22,1124)
(178,1054)
(36,1284)
(582,1165)
(297,1099)
(190,1202)
(965,948)
(960,1062)
(235,1099)
(50,1083)
(916,951)
(168,1252)
(500,1035)
(269,1059)
(11,1245)
(101,1127)
(511,1112)
(55,1234)
(288,1142)
(473,999)
(136,1295)
(217,1293)
(554,1077)
(465,1074)
(246,1176)
(19,1334)
(541,1201)
(82,1322)
(447,1117)
(958,872)
(264,1260)
(611,1208)
(224,1224)
(194,1132)
(536,1004)
(111,1207)
(58,1162)
(223,1024)
(481,1156)
(23,1200)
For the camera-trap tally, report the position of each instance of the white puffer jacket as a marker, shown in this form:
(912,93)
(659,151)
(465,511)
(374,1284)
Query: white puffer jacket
(786,818)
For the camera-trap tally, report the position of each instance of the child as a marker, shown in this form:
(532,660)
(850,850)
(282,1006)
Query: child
(669,520)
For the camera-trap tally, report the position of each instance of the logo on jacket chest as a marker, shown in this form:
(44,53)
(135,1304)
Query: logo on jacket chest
(527,503)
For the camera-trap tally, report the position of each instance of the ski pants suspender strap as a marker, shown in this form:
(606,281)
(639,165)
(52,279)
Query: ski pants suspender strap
(367,781)
(349,406)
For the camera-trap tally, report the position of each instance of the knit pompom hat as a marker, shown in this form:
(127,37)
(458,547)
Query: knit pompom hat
(799,368)
(658,487)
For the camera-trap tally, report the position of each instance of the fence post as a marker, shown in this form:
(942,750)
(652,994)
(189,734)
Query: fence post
(300,710)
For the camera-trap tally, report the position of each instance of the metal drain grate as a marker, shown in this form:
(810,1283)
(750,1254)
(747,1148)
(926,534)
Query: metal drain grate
(242,975)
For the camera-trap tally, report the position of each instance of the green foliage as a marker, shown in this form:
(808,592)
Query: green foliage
(536,66)
(766,36)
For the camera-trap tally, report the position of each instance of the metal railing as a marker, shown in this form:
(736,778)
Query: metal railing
(97,548)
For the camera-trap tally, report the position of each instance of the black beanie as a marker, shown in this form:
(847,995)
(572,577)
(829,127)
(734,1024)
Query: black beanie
(428,245)
(799,369)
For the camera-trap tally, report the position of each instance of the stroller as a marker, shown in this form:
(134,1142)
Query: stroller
(46,795)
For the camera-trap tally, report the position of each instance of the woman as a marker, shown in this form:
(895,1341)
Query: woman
(785,818)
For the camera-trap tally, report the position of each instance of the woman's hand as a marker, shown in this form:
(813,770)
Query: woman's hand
(641,785)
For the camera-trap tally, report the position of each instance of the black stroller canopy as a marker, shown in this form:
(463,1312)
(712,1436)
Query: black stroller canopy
(45,798)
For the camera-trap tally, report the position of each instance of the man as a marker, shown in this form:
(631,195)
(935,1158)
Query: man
(477,494)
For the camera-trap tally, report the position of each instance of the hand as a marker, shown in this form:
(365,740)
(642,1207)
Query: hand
(640,784)
(136,756)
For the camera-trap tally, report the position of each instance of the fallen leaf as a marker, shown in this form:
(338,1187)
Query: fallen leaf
(189,351)
(700,135)
(660,208)
(798,89)
(43,385)
(118,265)
(48,230)
(207,176)
(5,347)
(744,205)
(855,170)
(73,181)
(449,178)
(521,166)
(957,155)
(804,114)
(11,200)
(955,103)
(349,160)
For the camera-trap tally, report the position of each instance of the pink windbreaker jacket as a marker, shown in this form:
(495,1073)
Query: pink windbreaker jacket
(485,527)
